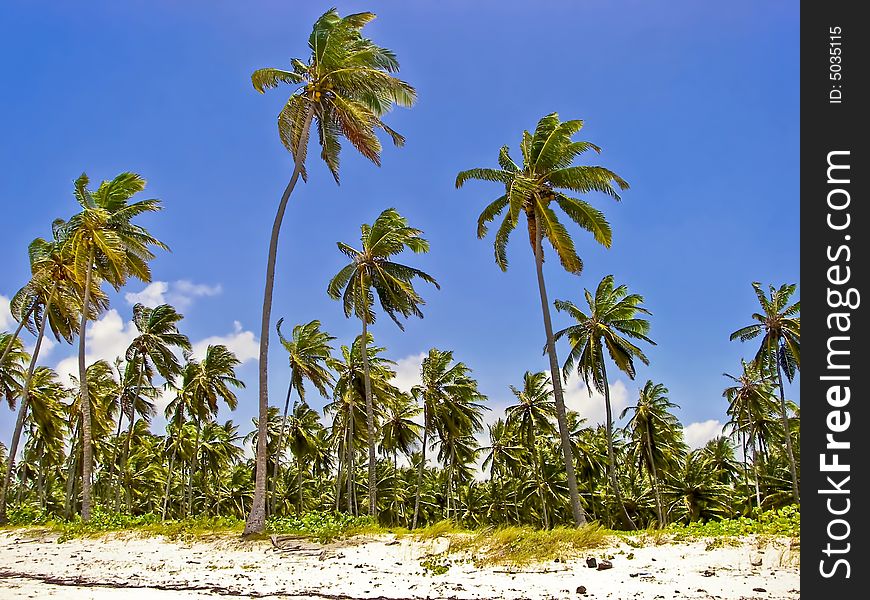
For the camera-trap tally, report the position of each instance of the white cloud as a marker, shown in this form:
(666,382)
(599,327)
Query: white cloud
(592,408)
(243,343)
(179,294)
(6,320)
(105,339)
(48,344)
(699,433)
(408,371)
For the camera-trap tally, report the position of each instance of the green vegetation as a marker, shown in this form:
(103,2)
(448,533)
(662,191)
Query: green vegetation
(518,546)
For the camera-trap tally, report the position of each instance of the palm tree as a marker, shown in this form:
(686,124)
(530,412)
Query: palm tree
(451,406)
(502,457)
(106,245)
(350,392)
(152,347)
(206,383)
(309,356)
(611,321)
(653,432)
(372,270)
(46,422)
(345,88)
(750,400)
(302,438)
(780,346)
(399,433)
(532,189)
(532,415)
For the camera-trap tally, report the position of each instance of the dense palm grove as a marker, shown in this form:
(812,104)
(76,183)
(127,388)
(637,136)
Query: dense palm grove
(406,458)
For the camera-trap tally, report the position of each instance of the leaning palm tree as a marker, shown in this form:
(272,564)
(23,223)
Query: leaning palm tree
(612,319)
(310,356)
(106,245)
(371,272)
(533,189)
(531,416)
(399,434)
(781,347)
(344,89)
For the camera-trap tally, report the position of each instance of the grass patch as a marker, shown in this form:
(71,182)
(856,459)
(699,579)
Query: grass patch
(519,546)
(439,529)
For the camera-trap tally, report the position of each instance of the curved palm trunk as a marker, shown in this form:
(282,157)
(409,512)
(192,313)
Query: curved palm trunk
(338,477)
(72,469)
(256,522)
(22,410)
(653,473)
(787,432)
(87,448)
(611,456)
(370,423)
(18,329)
(116,475)
(561,418)
(280,445)
(421,467)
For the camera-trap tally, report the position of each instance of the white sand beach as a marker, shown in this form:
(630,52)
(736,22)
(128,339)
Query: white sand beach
(35,565)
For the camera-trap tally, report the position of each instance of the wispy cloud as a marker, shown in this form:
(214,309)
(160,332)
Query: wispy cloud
(179,294)
(699,433)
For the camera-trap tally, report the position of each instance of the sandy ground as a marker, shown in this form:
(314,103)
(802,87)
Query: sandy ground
(34,565)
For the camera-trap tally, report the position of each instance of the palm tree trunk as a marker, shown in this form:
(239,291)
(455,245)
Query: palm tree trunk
(370,420)
(279,448)
(113,476)
(193,464)
(256,522)
(22,409)
(561,418)
(338,466)
(299,485)
(87,449)
(787,432)
(655,479)
(396,507)
(126,455)
(349,462)
(611,457)
(536,465)
(180,419)
(421,467)
(69,504)
(18,329)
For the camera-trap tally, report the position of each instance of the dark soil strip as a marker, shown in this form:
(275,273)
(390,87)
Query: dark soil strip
(221,591)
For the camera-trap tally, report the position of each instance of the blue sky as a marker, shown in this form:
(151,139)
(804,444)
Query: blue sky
(695,104)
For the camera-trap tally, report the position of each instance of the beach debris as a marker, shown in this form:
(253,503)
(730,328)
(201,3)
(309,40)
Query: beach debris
(591,562)
(708,573)
(392,543)
(755,560)
(581,589)
(605,564)
(759,589)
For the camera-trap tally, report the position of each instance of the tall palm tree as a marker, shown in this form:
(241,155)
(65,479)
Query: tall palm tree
(532,189)
(344,89)
(152,349)
(612,319)
(653,431)
(310,356)
(106,245)
(451,405)
(371,270)
(780,346)
(531,415)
